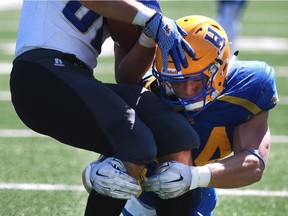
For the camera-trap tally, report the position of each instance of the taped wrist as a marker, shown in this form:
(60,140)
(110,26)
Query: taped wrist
(146,41)
(143,15)
(201,176)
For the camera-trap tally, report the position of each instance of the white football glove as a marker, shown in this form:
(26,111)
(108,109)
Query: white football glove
(172,179)
(86,174)
(109,178)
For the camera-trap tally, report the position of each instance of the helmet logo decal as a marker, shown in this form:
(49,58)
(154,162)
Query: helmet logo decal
(214,38)
(171,71)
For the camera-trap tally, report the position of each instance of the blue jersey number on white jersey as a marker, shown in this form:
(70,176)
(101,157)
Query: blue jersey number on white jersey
(83,19)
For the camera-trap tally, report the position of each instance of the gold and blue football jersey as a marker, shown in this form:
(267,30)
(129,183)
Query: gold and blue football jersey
(250,89)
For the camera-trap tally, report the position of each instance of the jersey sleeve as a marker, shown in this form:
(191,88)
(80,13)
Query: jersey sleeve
(255,82)
(268,91)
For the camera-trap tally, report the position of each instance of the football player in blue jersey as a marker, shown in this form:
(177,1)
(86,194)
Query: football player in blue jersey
(55,93)
(227,102)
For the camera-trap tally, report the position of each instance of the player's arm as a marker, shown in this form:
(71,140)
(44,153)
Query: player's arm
(130,67)
(252,142)
(124,11)
(155,25)
(245,167)
(133,49)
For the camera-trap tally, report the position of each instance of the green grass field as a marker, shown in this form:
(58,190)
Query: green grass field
(36,172)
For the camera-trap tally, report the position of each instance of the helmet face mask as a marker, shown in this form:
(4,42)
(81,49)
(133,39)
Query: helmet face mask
(211,46)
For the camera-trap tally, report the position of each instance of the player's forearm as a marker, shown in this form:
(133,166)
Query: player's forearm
(118,10)
(121,10)
(236,171)
(251,143)
(134,65)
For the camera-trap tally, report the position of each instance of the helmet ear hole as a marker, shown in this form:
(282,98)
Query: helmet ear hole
(220,61)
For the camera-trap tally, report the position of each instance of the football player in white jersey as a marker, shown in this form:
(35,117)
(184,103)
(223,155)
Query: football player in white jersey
(55,93)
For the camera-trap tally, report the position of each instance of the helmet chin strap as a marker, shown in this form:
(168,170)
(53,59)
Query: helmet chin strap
(194,106)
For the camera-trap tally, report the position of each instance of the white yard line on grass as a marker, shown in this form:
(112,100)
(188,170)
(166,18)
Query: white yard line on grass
(62,187)
(102,68)
(10,4)
(107,68)
(245,192)
(29,133)
(5,68)
(243,43)
(19,133)
(45,187)
(256,44)
(6,96)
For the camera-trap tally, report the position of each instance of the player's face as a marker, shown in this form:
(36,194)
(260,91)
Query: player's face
(187,89)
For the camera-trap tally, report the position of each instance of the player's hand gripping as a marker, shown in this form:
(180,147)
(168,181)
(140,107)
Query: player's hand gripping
(172,179)
(109,178)
(169,37)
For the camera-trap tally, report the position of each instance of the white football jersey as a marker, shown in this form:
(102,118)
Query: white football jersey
(66,26)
